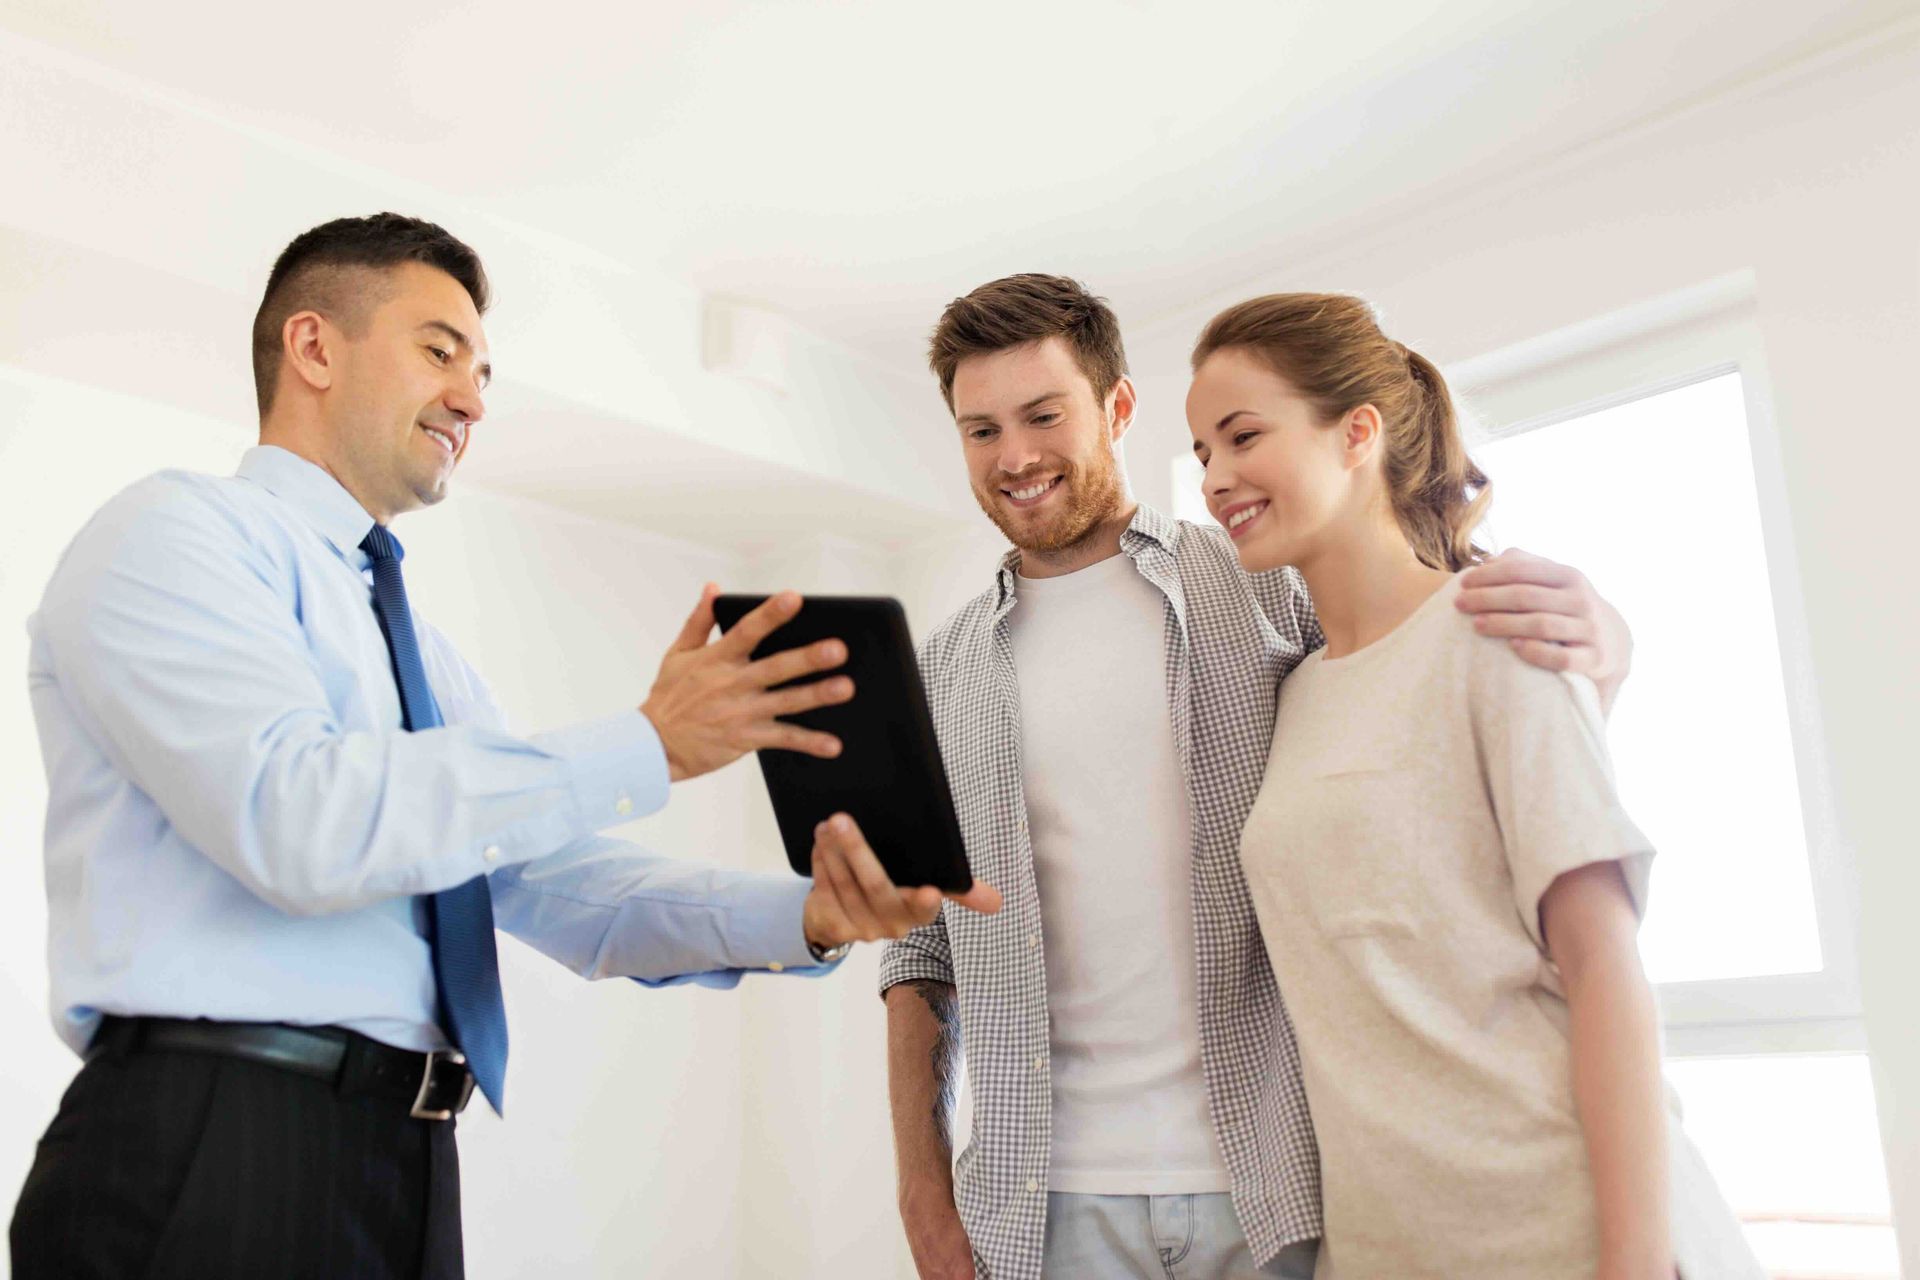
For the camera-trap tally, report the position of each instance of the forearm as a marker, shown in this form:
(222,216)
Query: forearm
(606,908)
(1618,1097)
(923,1058)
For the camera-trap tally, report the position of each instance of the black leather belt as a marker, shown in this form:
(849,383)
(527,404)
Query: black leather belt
(437,1085)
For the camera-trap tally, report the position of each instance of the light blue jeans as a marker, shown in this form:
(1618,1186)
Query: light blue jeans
(1193,1237)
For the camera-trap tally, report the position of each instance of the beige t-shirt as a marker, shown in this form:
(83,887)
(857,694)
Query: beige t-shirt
(1421,795)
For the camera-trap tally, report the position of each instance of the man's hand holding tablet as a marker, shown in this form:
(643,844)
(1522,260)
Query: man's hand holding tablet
(853,900)
(712,703)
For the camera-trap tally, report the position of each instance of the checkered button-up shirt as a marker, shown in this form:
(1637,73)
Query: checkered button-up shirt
(1230,638)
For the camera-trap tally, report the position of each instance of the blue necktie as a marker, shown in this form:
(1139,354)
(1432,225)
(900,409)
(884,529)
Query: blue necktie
(460,920)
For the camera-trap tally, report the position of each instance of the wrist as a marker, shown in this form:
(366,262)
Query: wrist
(823,949)
(824,954)
(928,1189)
(676,768)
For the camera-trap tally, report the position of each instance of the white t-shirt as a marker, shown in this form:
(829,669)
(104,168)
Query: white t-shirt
(1112,853)
(1421,796)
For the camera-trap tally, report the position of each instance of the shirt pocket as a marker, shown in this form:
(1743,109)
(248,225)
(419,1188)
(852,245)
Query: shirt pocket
(1364,866)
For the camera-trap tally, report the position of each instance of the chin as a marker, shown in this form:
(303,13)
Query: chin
(1058,536)
(425,495)
(1260,555)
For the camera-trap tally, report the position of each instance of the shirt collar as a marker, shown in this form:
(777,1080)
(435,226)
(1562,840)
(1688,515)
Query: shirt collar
(313,494)
(1147,530)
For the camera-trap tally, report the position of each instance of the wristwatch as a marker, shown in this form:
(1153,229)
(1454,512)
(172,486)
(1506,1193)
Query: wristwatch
(827,955)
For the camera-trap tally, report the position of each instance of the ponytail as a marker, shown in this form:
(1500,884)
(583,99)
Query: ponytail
(1439,495)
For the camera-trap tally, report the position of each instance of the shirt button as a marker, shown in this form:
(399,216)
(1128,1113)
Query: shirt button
(623,806)
(776,967)
(1033,940)
(1033,1184)
(491,853)
(1039,1063)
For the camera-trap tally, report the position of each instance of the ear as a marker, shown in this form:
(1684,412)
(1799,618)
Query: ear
(1120,405)
(1360,435)
(308,344)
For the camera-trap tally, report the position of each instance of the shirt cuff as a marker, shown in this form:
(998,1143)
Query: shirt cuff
(616,768)
(777,924)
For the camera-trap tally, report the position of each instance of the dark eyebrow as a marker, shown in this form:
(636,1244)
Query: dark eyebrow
(460,340)
(1030,405)
(1222,425)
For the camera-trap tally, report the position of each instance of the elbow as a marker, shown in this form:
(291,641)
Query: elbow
(300,839)
(296,890)
(289,867)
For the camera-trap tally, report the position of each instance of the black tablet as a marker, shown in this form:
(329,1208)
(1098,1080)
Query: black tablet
(889,775)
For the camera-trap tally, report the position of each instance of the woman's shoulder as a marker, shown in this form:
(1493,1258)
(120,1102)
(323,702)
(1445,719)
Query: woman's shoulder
(1500,683)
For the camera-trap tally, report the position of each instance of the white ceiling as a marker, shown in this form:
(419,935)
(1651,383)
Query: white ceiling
(858,164)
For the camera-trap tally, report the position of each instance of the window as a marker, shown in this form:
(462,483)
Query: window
(1654,501)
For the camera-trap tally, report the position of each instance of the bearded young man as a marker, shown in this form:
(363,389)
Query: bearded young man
(1105,708)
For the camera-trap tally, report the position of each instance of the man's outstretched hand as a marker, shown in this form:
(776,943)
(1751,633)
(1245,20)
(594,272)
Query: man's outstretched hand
(712,703)
(854,901)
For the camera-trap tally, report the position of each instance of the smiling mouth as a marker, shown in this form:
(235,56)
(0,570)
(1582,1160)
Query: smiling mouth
(1237,522)
(1033,494)
(444,438)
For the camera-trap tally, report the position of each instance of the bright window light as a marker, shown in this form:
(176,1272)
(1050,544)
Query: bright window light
(1795,1145)
(1654,501)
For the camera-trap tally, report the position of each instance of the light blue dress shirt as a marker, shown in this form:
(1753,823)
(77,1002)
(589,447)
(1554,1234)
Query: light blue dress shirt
(238,827)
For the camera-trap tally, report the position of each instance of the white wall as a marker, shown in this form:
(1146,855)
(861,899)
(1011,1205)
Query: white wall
(97,244)
(1813,183)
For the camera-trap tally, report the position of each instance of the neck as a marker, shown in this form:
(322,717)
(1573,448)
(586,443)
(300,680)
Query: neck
(1102,542)
(1366,584)
(307,439)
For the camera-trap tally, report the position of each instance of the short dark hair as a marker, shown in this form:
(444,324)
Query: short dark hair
(1016,310)
(337,269)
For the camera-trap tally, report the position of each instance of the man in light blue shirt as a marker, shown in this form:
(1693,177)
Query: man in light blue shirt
(285,816)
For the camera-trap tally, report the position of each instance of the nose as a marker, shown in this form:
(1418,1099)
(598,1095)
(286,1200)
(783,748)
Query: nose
(1217,480)
(464,401)
(1017,452)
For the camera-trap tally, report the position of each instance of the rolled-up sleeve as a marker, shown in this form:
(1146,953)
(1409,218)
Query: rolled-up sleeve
(923,954)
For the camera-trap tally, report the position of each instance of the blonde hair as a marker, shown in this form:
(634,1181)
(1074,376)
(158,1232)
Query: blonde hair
(1329,346)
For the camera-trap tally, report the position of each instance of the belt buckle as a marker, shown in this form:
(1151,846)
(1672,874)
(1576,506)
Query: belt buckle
(430,1076)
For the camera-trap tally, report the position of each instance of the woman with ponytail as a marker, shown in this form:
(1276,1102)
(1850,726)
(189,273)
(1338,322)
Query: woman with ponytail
(1448,887)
